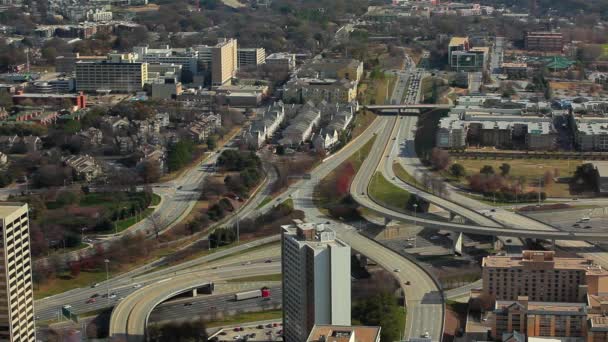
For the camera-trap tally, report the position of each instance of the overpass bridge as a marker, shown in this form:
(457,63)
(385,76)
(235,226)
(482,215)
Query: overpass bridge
(409,106)
(129,318)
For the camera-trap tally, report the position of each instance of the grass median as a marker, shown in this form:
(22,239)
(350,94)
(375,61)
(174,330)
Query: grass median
(387,194)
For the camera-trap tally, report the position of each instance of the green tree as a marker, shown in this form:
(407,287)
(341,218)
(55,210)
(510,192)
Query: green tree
(505,169)
(381,310)
(457,170)
(487,170)
(180,155)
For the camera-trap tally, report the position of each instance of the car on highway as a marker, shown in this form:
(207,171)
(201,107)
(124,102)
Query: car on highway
(136,286)
(426,334)
(268,261)
(67,306)
(112,295)
(187,304)
(91,300)
(407,283)
(396,270)
(95,285)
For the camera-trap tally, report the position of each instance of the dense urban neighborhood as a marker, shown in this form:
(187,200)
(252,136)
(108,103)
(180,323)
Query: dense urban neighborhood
(299,171)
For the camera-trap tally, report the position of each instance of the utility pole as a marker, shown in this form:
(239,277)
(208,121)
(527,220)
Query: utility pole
(237,227)
(106,261)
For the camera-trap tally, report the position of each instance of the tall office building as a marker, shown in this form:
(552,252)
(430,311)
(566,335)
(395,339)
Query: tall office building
(16,294)
(316,279)
(224,61)
(119,73)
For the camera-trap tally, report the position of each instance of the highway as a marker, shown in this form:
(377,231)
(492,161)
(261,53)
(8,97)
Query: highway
(130,316)
(124,284)
(210,305)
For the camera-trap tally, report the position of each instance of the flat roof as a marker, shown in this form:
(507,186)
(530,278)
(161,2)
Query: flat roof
(8,208)
(458,41)
(335,333)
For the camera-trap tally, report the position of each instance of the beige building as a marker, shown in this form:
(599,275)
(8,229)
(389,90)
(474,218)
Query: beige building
(16,295)
(224,61)
(344,333)
(538,275)
(119,73)
(252,56)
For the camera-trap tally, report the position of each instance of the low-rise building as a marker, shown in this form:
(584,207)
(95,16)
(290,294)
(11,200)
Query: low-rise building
(264,128)
(85,167)
(590,134)
(281,61)
(344,333)
(204,126)
(544,41)
(301,127)
(452,133)
(299,90)
(325,68)
(58,101)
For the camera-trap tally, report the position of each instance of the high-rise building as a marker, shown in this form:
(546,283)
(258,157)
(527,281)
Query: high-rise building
(462,56)
(16,294)
(253,56)
(316,279)
(224,61)
(119,73)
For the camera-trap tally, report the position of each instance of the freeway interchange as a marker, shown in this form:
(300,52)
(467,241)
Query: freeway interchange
(393,144)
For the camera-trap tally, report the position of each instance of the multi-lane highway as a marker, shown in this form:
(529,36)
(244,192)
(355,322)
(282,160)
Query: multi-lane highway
(130,317)
(125,284)
(210,305)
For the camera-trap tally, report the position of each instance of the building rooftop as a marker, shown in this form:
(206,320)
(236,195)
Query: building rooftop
(7,208)
(456,41)
(339,333)
(531,259)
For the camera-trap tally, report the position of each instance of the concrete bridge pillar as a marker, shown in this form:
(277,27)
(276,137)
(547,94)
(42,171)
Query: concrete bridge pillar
(194,292)
(387,221)
(552,244)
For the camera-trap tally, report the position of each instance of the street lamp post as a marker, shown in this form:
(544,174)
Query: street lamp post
(415,205)
(106,261)
(82,230)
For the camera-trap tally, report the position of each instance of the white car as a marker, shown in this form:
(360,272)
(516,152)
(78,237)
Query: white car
(396,270)
(426,334)
(136,286)
(112,296)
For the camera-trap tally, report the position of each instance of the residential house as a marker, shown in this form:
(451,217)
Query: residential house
(116,123)
(126,145)
(93,135)
(326,139)
(32,143)
(301,127)
(8,141)
(204,126)
(85,167)
(264,128)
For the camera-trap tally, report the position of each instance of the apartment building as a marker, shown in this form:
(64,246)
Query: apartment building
(224,59)
(539,275)
(301,127)
(544,41)
(452,132)
(298,90)
(590,134)
(265,127)
(120,73)
(539,319)
(16,294)
(316,279)
(252,56)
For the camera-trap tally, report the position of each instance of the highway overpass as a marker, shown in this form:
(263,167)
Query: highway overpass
(360,193)
(130,317)
(408,106)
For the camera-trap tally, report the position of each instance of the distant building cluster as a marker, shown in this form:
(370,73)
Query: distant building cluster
(462,56)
